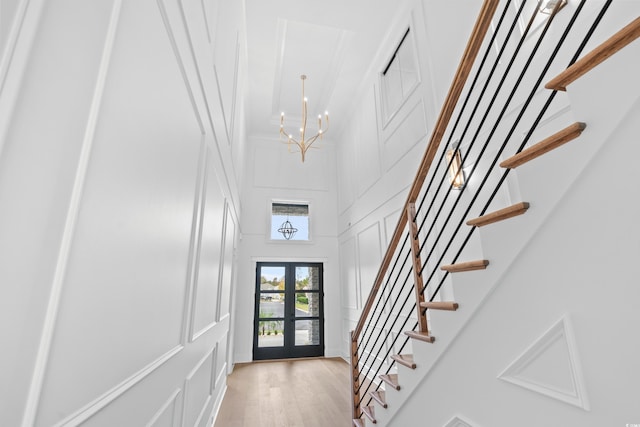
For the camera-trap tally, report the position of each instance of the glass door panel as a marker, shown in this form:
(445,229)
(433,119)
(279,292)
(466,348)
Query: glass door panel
(288,319)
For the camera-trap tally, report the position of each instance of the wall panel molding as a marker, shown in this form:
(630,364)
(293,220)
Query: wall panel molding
(13,59)
(189,385)
(369,250)
(349,279)
(457,421)
(169,404)
(194,244)
(180,62)
(557,347)
(93,407)
(35,389)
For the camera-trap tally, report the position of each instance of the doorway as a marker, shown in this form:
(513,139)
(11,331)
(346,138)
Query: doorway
(289,310)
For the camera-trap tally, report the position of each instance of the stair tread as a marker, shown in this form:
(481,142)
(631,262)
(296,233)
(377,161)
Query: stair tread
(440,305)
(610,46)
(369,412)
(548,144)
(379,397)
(422,336)
(480,264)
(358,422)
(405,360)
(391,379)
(499,215)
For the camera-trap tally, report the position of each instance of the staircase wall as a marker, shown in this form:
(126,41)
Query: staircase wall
(578,267)
(550,323)
(119,210)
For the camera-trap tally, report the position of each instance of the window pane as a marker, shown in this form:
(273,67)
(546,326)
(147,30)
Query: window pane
(307,304)
(408,67)
(289,221)
(270,334)
(271,305)
(307,278)
(307,332)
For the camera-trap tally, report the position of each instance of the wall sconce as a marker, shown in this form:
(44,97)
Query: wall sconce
(456,174)
(550,5)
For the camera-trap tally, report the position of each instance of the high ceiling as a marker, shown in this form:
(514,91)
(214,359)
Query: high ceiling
(332,42)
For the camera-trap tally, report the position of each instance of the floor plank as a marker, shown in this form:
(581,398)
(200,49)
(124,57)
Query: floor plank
(310,392)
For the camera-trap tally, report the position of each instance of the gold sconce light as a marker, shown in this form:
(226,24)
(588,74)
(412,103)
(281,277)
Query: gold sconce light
(550,5)
(456,174)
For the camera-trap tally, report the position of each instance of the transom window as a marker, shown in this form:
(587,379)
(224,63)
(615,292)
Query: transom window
(289,221)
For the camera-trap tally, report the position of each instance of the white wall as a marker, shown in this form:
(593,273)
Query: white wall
(554,341)
(120,210)
(541,340)
(272,173)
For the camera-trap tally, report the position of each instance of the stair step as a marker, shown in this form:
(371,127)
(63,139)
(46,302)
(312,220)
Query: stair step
(596,56)
(499,215)
(358,422)
(405,360)
(554,141)
(422,336)
(465,266)
(379,397)
(369,411)
(391,379)
(440,305)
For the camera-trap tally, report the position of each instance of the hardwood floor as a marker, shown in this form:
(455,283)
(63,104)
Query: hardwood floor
(287,393)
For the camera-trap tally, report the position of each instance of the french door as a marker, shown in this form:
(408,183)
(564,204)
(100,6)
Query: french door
(288,317)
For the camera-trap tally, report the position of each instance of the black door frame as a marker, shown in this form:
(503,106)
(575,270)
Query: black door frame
(289,349)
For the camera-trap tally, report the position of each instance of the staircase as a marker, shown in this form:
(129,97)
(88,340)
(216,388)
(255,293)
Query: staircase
(408,323)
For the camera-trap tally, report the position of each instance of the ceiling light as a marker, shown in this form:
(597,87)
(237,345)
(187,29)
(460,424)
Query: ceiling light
(302,143)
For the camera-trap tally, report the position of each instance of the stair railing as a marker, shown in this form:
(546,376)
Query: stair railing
(503,98)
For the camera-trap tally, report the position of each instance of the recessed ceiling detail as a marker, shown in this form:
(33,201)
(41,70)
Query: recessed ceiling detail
(550,366)
(314,50)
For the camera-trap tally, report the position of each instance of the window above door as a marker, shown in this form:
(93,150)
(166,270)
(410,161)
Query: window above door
(290,221)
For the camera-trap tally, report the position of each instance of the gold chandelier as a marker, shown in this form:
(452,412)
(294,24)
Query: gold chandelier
(302,143)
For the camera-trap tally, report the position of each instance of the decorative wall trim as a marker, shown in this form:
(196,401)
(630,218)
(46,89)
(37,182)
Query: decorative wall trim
(196,368)
(93,407)
(349,244)
(375,228)
(170,403)
(180,62)
(234,99)
(214,363)
(386,119)
(203,331)
(196,233)
(195,61)
(217,405)
(205,98)
(223,255)
(395,159)
(560,333)
(46,339)
(12,41)
(457,421)
(14,59)
(207,25)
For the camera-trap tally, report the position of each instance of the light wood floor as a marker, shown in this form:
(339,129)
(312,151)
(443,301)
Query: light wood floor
(287,393)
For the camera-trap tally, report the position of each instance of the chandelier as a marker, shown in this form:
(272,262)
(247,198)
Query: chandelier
(302,143)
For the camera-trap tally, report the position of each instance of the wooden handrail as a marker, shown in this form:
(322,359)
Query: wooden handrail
(480,29)
(596,56)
